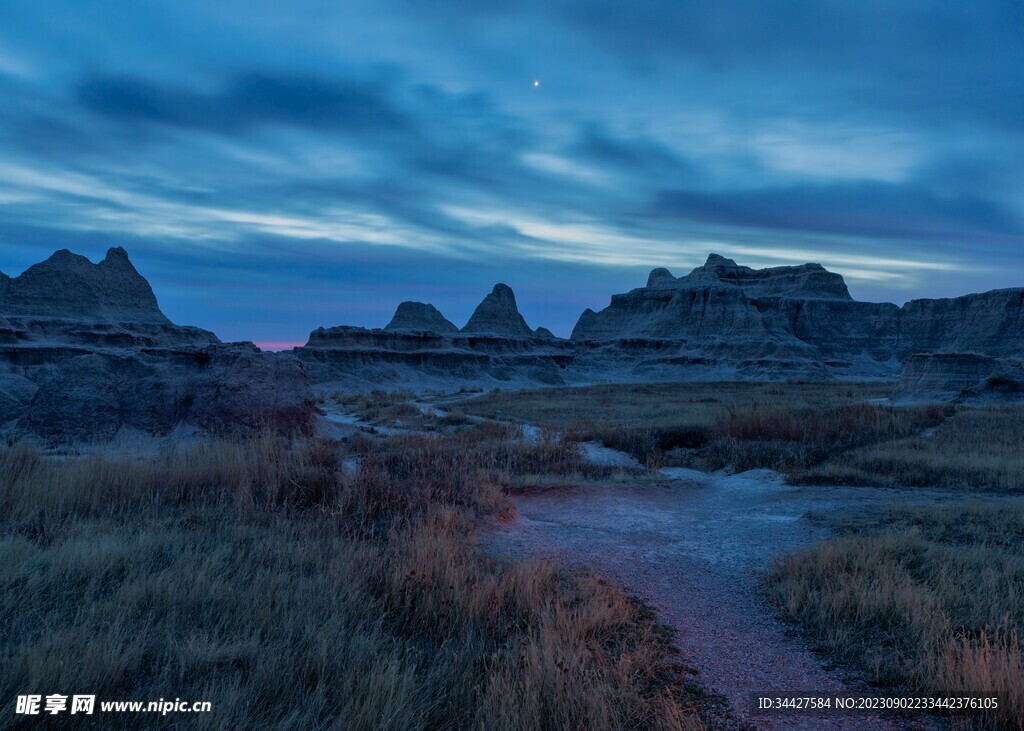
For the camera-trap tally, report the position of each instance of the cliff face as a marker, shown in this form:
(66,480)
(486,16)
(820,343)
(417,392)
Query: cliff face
(85,351)
(792,318)
(358,358)
(991,323)
(960,377)
(807,281)
(719,299)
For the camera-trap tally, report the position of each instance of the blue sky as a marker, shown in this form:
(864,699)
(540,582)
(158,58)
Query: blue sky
(274,167)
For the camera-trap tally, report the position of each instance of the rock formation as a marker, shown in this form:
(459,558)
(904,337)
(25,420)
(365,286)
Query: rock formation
(86,353)
(356,358)
(728,321)
(807,281)
(721,321)
(498,315)
(70,286)
(420,317)
(960,377)
(990,323)
(419,350)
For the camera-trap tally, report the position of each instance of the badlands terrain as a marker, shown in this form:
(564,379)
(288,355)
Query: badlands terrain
(732,482)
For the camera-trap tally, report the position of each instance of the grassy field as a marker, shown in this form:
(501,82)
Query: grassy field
(661,405)
(289,593)
(211,572)
(814,433)
(924,600)
(973,448)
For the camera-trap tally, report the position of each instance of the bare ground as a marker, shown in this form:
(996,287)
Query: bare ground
(696,547)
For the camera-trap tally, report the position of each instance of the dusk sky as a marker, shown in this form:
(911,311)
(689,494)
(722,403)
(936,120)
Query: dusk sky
(273,167)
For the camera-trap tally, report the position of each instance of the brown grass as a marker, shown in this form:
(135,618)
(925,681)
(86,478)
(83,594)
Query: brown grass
(978,448)
(794,440)
(379,407)
(253,575)
(931,600)
(676,423)
(813,433)
(691,405)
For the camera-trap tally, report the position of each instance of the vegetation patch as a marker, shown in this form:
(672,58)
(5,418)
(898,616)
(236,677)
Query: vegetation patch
(290,593)
(925,600)
(975,448)
(818,433)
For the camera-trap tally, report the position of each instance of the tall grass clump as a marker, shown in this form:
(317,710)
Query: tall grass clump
(932,601)
(790,440)
(291,592)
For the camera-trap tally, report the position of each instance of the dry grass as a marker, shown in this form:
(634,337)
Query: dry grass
(379,407)
(397,409)
(930,600)
(978,448)
(254,575)
(793,440)
(814,433)
(677,423)
(673,406)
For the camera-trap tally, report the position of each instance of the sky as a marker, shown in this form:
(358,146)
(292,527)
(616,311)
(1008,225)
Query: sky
(276,167)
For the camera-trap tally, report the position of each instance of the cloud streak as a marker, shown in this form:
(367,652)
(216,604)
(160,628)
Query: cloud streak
(245,103)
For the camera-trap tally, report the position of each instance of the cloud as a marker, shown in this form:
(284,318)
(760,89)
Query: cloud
(246,102)
(870,209)
(635,155)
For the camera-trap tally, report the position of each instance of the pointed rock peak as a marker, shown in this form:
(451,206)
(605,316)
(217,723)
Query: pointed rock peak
(420,317)
(544,333)
(118,256)
(499,315)
(503,290)
(582,327)
(661,275)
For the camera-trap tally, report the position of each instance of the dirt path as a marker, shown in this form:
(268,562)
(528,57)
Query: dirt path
(696,548)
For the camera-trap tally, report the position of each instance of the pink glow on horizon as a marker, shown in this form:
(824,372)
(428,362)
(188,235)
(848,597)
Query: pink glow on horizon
(275,345)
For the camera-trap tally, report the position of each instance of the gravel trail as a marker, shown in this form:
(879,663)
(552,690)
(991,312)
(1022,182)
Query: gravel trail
(696,547)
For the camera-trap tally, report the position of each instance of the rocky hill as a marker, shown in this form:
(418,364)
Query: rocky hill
(724,320)
(498,315)
(419,350)
(86,355)
(70,286)
(419,317)
(807,281)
